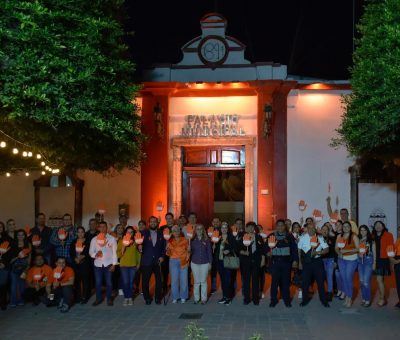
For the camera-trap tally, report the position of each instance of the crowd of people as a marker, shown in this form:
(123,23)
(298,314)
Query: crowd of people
(62,266)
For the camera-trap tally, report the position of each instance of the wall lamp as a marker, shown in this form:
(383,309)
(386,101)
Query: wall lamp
(267,127)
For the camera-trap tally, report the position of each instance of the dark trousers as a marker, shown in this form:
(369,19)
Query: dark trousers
(165,273)
(397,277)
(280,272)
(313,270)
(251,273)
(100,273)
(226,283)
(262,280)
(82,282)
(147,271)
(31,294)
(138,275)
(214,270)
(65,293)
(116,278)
(3,287)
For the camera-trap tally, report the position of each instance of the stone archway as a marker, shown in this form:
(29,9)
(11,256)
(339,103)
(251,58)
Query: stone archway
(175,168)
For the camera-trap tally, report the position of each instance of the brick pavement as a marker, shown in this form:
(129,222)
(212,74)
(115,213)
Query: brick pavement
(220,322)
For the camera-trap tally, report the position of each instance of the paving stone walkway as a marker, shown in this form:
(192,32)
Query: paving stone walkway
(220,322)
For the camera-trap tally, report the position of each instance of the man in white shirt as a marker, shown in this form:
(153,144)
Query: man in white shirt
(310,262)
(103,248)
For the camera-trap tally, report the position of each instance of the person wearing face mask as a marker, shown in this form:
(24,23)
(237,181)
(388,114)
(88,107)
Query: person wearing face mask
(284,256)
(153,254)
(311,248)
(251,251)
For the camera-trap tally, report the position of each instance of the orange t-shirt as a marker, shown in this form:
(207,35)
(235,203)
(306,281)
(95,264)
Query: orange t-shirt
(43,275)
(67,274)
(397,247)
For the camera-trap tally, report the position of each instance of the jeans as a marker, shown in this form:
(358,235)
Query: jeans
(397,277)
(200,274)
(328,265)
(99,274)
(128,279)
(17,289)
(365,272)
(226,282)
(179,280)
(347,269)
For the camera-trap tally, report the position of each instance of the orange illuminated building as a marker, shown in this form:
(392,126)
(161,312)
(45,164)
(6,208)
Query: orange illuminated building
(209,132)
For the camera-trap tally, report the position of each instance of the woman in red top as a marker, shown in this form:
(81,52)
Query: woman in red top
(382,239)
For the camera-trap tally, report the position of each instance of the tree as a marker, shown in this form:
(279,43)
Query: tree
(66,84)
(371,122)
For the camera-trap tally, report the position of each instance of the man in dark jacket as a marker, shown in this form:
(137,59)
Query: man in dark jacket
(153,253)
(283,255)
(44,234)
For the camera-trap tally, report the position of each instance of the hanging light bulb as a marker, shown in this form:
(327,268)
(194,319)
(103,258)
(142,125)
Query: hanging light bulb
(24,154)
(50,169)
(43,172)
(26,174)
(47,167)
(15,151)
(8,174)
(29,154)
(38,156)
(3,144)
(42,163)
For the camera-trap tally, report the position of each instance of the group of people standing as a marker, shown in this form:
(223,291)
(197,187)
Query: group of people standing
(61,266)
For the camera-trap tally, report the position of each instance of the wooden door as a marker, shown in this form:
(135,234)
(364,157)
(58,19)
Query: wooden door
(198,194)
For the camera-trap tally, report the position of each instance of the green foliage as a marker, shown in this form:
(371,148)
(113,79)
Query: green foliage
(193,332)
(66,83)
(371,122)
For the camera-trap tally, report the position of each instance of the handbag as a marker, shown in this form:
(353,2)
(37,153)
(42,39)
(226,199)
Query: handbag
(19,266)
(231,262)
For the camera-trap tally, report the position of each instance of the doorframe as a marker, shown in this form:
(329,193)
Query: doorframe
(176,168)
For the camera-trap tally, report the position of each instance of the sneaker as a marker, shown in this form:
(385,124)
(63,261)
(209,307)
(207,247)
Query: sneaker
(130,302)
(222,301)
(125,303)
(120,292)
(174,301)
(21,304)
(212,291)
(227,302)
(262,296)
(64,308)
(300,295)
(183,300)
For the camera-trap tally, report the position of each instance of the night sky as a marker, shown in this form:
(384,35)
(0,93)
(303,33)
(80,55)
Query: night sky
(312,37)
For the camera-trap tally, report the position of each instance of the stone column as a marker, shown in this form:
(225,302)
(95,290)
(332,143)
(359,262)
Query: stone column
(177,180)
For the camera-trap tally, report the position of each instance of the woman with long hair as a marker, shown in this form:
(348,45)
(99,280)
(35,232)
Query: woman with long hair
(383,238)
(225,247)
(347,249)
(178,252)
(81,262)
(20,261)
(329,258)
(200,247)
(366,260)
(129,260)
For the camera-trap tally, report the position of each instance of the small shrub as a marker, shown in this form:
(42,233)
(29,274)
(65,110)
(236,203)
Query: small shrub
(193,332)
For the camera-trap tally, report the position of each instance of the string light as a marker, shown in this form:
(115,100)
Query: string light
(15,151)
(43,172)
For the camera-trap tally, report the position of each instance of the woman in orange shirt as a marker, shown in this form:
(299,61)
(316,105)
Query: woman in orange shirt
(396,264)
(178,252)
(382,239)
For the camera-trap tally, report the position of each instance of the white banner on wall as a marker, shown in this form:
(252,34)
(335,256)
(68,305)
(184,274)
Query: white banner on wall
(378,201)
